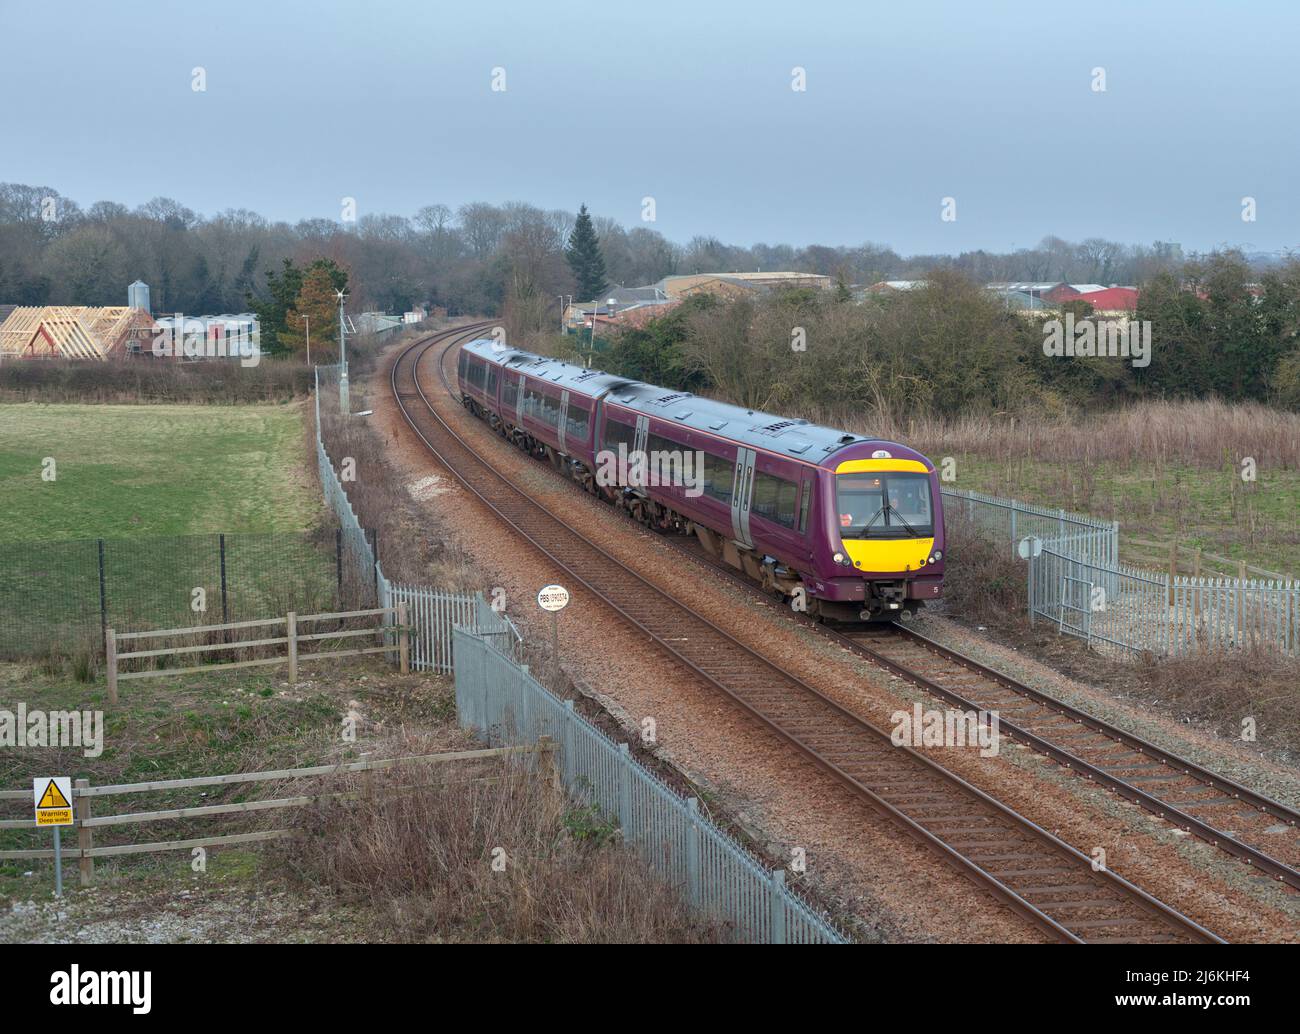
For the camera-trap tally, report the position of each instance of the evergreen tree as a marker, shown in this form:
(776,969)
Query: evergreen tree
(585,259)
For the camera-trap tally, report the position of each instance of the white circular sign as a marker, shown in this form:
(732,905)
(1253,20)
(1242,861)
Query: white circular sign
(552,597)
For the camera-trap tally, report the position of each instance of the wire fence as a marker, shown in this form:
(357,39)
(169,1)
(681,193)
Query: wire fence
(1089,538)
(60,596)
(507,706)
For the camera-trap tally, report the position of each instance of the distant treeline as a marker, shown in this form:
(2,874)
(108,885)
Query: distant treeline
(1218,329)
(503,260)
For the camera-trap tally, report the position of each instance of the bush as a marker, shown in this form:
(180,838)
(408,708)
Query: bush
(420,850)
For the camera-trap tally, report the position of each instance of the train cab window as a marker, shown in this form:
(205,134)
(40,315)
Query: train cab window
(885,505)
(576,422)
(774,499)
(461,363)
(803,506)
(719,477)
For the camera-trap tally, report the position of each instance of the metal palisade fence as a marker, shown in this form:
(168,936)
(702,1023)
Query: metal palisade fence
(1123,610)
(500,699)
(1078,583)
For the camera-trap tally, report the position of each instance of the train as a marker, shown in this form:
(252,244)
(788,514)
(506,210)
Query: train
(844,527)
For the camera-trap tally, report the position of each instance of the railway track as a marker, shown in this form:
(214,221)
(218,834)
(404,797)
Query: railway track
(1040,877)
(1254,828)
(1260,831)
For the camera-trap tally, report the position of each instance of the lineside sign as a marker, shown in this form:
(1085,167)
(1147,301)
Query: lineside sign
(53,798)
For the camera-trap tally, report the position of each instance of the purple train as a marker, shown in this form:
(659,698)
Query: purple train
(845,527)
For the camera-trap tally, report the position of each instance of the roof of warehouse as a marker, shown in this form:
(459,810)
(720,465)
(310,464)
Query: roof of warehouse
(769,431)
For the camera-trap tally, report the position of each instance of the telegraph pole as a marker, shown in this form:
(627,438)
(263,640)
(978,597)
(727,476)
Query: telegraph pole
(344,402)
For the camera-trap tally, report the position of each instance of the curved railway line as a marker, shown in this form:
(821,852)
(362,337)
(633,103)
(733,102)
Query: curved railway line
(1190,797)
(1036,874)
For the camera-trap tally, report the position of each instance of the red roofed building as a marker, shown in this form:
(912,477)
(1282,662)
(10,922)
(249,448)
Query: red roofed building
(1111,299)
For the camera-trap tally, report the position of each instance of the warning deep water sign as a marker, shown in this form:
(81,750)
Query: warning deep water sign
(53,797)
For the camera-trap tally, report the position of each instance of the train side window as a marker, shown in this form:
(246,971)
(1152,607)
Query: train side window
(551,410)
(576,424)
(774,499)
(719,478)
(617,433)
(803,506)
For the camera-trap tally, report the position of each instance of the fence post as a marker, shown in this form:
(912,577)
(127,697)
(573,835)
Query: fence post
(777,906)
(103,594)
(110,663)
(548,770)
(1030,567)
(403,639)
(338,560)
(85,835)
(693,851)
(291,624)
(625,792)
(1173,568)
(374,553)
(225,612)
(569,718)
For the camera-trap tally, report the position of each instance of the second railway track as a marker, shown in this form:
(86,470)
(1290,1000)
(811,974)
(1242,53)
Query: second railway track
(1036,874)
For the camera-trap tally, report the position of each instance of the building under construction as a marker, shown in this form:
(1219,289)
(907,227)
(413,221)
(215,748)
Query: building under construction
(76,332)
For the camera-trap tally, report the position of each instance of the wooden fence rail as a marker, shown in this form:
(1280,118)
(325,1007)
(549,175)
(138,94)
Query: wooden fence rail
(290,640)
(85,852)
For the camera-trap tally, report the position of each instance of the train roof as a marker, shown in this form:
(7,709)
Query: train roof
(807,441)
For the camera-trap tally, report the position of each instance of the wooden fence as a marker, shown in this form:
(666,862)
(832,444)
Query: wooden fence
(85,852)
(291,640)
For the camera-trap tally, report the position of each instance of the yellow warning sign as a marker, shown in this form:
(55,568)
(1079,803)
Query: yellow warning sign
(53,797)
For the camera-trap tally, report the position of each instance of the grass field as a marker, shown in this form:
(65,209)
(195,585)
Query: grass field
(152,470)
(1210,510)
(157,484)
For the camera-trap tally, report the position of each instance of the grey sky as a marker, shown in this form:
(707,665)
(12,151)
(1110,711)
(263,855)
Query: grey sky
(691,103)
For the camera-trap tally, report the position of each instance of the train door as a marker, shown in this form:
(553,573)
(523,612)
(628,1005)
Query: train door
(564,419)
(642,433)
(519,402)
(743,487)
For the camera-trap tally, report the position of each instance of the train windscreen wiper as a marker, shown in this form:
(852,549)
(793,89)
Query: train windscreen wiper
(901,519)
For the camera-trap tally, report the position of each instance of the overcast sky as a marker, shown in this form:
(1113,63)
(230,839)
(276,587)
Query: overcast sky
(690,103)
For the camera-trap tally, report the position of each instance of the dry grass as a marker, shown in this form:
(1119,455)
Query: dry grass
(420,850)
(412,546)
(1221,689)
(1201,434)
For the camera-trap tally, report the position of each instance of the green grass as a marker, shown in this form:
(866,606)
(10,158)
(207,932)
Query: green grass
(1212,510)
(157,483)
(152,470)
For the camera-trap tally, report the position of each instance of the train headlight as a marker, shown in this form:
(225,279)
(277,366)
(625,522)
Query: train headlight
(838,558)
(938,555)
